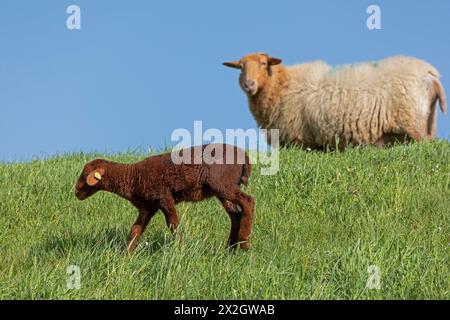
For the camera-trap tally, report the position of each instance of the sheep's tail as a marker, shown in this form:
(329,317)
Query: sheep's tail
(246,170)
(440,95)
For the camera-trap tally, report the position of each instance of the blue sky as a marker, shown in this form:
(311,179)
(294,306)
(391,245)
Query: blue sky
(137,70)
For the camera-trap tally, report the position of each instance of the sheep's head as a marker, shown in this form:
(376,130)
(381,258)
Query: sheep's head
(90,180)
(255,71)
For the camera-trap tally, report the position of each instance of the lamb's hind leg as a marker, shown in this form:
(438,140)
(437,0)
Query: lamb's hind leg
(247,205)
(235,215)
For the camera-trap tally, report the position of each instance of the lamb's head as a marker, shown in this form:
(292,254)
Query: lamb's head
(90,180)
(255,71)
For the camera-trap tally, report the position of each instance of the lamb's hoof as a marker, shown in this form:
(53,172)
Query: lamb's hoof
(125,253)
(245,246)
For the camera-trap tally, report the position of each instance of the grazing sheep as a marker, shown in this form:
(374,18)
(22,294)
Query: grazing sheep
(314,105)
(159,183)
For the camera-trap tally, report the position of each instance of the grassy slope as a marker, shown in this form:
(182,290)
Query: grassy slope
(320,222)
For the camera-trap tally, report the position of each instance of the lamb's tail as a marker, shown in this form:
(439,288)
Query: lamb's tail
(246,170)
(440,95)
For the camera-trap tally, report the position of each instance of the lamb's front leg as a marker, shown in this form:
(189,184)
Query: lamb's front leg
(138,227)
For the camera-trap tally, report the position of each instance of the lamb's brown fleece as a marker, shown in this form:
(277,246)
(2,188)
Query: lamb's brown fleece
(159,183)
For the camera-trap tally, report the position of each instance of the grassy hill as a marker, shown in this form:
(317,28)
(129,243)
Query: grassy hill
(319,224)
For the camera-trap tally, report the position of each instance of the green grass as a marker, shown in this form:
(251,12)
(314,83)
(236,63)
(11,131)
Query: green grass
(319,223)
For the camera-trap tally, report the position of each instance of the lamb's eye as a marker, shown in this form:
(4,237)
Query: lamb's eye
(263,63)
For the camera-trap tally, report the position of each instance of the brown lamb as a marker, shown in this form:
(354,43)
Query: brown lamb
(158,182)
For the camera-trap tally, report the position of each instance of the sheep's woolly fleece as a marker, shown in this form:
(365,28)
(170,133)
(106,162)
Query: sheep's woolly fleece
(312,104)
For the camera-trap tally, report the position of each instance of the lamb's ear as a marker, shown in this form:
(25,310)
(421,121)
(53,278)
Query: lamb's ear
(274,61)
(95,176)
(233,64)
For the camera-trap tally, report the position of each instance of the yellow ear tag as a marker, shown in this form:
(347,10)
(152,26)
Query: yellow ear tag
(97,176)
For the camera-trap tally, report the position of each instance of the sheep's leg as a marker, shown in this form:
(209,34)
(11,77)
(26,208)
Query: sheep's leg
(138,227)
(235,216)
(417,136)
(247,204)
(431,123)
(170,213)
(413,134)
(380,143)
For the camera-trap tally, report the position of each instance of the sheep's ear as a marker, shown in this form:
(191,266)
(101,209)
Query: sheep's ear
(95,176)
(274,61)
(233,64)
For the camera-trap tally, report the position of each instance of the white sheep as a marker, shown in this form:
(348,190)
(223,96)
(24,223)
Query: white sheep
(315,105)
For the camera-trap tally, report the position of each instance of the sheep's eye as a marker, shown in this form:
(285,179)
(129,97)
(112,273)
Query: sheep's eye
(263,63)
